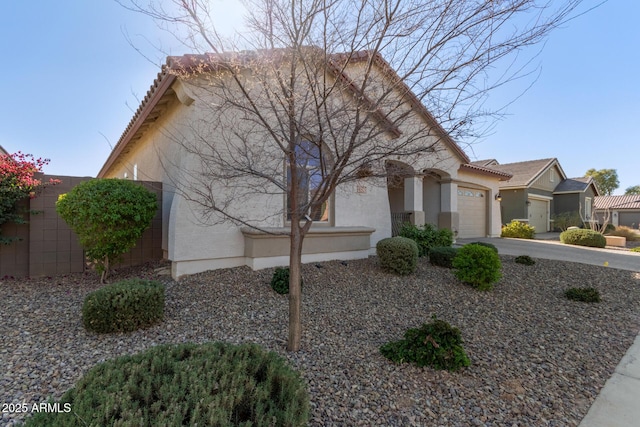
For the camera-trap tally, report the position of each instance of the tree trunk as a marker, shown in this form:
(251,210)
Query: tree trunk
(295,288)
(105,272)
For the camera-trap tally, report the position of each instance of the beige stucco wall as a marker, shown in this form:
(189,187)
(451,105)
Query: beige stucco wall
(195,242)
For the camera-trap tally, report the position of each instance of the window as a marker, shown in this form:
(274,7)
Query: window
(135,172)
(311,166)
(587,207)
(552,175)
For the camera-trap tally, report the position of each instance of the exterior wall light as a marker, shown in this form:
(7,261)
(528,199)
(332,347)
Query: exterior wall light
(498,197)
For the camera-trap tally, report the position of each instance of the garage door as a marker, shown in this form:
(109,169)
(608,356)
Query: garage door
(630,219)
(538,215)
(472,211)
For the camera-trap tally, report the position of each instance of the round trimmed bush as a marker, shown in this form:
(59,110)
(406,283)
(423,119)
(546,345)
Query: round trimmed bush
(124,306)
(583,237)
(486,245)
(280,280)
(212,384)
(477,266)
(398,254)
(442,256)
(436,344)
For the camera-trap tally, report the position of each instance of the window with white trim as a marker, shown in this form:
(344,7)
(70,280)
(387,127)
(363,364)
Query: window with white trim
(587,207)
(311,165)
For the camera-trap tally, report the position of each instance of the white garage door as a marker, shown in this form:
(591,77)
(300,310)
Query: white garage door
(472,211)
(538,215)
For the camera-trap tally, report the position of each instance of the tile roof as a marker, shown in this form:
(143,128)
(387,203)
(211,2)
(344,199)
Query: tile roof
(177,66)
(574,185)
(483,170)
(617,202)
(485,163)
(525,173)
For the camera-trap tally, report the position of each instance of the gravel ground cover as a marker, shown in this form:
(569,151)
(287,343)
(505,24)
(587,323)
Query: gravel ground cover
(537,359)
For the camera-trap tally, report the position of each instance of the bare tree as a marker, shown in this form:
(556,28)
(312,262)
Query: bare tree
(316,94)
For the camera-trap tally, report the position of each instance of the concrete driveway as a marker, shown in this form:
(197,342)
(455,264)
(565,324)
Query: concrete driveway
(553,249)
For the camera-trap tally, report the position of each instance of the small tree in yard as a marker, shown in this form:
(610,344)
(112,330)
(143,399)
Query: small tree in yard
(317,95)
(18,182)
(109,216)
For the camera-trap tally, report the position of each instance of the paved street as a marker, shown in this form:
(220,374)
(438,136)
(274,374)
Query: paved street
(553,249)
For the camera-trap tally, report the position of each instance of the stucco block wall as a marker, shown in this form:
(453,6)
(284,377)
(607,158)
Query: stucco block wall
(49,247)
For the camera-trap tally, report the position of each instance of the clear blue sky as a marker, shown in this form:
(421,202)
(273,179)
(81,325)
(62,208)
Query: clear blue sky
(71,80)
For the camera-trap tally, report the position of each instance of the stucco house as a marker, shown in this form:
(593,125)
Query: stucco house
(622,210)
(444,188)
(539,189)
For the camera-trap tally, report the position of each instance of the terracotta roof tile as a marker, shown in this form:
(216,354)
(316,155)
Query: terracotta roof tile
(617,202)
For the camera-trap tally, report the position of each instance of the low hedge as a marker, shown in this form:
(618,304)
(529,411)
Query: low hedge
(525,260)
(583,237)
(583,294)
(517,229)
(280,280)
(436,344)
(442,256)
(124,306)
(212,384)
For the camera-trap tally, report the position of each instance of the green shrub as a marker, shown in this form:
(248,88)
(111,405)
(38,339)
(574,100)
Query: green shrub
(583,294)
(518,230)
(436,344)
(525,259)
(398,254)
(109,216)
(427,236)
(636,249)
(124,306)
(486,245)
(212,384)
(442,256)
(565,220)
(477,266)
(280,280)
(622,231)
(583,237)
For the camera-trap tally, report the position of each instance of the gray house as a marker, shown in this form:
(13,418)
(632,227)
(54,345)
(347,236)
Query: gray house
(623,210)
(540,189)
(576,195)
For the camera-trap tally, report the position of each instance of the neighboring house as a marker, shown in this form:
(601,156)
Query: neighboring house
(442,189)
(576,195)
(621,210)
(539,189)
(2,150)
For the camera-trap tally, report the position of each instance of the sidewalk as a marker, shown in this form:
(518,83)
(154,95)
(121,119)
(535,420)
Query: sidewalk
(618,404)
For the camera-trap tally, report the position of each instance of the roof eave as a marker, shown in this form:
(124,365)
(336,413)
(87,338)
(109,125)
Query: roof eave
(165,81)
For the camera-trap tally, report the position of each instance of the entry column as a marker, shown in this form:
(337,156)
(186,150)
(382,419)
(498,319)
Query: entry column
(413,199)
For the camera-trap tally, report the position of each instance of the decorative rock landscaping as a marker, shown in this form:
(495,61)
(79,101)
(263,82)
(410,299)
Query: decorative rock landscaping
(536,358)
